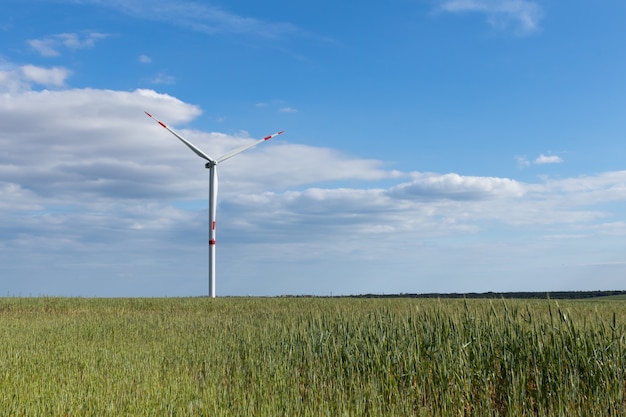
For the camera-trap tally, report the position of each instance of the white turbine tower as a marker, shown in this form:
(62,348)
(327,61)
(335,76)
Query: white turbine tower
(211,165)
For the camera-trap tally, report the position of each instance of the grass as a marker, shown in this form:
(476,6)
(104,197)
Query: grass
(311,357)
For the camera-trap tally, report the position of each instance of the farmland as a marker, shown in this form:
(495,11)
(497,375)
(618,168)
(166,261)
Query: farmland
(311,357)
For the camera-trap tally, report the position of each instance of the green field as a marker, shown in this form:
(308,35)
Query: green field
(311,357)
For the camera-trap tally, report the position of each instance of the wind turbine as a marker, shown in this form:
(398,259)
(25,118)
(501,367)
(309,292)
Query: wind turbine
(211,165)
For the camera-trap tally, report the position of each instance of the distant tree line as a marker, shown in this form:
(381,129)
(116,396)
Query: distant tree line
(554,295)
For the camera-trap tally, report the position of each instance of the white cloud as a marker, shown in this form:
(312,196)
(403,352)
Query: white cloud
(49,46)
(200,17)
(49,77)
(144,59)
(524,15)
(15,79)
(457,187)
(523,161)
(548,159)
(163,78)
(44,47)
(14,198)
(11,80)
(78,41)
(278,105)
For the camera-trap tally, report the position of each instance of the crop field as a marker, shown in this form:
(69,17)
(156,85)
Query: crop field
(311,357)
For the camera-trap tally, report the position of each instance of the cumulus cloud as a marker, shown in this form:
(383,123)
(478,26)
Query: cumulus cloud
(96,147)
(523,161)
(523,15)
(283,165)
(548,159)
(54,77)
(457,187)
(15,79)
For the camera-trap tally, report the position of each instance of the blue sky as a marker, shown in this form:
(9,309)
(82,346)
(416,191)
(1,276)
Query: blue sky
(430,146)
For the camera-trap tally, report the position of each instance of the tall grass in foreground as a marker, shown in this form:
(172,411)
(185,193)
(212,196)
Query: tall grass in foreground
(311,357)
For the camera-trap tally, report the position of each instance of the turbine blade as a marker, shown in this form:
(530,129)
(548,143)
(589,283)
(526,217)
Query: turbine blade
(191,146)
(245,147)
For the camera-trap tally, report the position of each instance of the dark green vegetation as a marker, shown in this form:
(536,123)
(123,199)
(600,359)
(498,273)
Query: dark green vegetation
(527,295)
(311,357)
